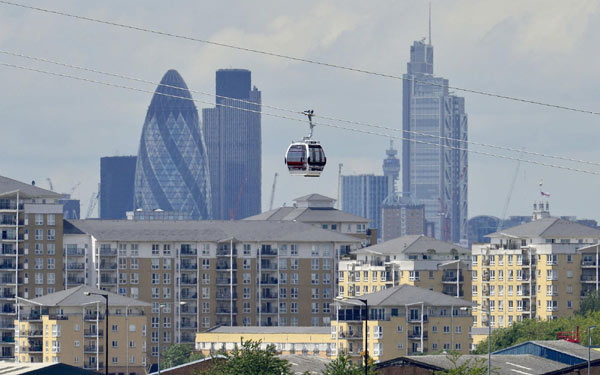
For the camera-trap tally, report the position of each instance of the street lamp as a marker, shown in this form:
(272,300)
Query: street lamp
(590,347)
(366,327)
(160,307)
(487,312)
(105,327)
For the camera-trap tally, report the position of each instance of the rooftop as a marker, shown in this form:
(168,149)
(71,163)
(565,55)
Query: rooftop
(405,294)
(195,231)
(550,227)
(76,297)
(270,330)
(8,185)
(414,244)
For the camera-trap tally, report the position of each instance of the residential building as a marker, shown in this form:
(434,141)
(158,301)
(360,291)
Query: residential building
(318,210)
(171,172)
(403,320)
(31,232)
(538,270)
(313,341)
(411,319)
(436,176)
(412,260)
(403,217)
(232,131)
(69,327)
(117,176)
(262,273)
(362,195)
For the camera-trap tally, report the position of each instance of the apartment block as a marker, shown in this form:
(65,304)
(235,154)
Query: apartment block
(228,273)
(31,231)
(69,327)
(412,260)
(402,320)
(538,270)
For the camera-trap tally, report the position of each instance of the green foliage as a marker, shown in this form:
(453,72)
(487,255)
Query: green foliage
(342,365)
(250,359)
(178,354)
(590,303)
(471,366)
(530,329)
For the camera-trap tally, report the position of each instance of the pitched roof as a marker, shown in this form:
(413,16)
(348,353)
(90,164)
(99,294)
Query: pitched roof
(407,294)
(308,215)
(8,185)
(214,231)
(561,346)
(76,297)
(550,227)
(12,368)
(413,244)
(301,364)
(313,197)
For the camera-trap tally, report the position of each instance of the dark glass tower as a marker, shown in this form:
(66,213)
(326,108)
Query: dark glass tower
(172,170)
(431,175)
(116,186)
(233,140)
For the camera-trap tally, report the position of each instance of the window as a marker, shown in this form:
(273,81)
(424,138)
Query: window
(156,278)
(155,249)
(293,264)
(39,234)
(314,251)
(166,278)
(115,344)
(446,329)
(51,248)
(134,263)
(246,293)
(39,219)
(283,307)
(51,219)
(327,278)
(134,278)
(314,278)
(155,263)
(294,278)
(155,293)
(294,307)
(166,249)
(314,264)
(167,264)
(314,307)
(115,327)
(294,293)
(293,250)
(247,249)
(570,274)
(51,234)
(326,307)
(205,264)
(283,278)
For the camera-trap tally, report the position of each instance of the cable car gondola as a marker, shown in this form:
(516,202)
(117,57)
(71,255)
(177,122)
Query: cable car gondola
(306,158)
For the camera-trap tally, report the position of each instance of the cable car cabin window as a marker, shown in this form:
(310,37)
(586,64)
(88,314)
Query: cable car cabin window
(296,155)
(317,156)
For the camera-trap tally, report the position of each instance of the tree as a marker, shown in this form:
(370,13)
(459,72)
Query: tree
(342,365)
(178,354)
(590,303)
(250,359)
(471,366)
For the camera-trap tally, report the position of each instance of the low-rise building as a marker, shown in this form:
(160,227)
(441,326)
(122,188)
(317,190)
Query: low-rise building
(69,327)
(414,260)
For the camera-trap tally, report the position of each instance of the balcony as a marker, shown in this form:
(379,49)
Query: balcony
(226,310)
(268,267)
(269,295)
(269,281)
(8,266)
(226,252)
(452,279)
(226,296)
(188,252)
(108,252)
(417,319)
(188,325)
(34,349)
(8,309)
(272,310)
(226,281)
(588,278)
(188,310)
(189,295)
(189,266)
(268,252)
(108,280)
(225,266)
(417,335)
(77,266)
(93,317)
(107,265)
(93,349)
(189,281)
(75,252)
(92,333)
(75,281)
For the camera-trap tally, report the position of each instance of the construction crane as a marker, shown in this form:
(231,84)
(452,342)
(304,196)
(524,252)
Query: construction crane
(50,183)
(510,191)
(273,192)
(339,192)
(74,188)
(92,205)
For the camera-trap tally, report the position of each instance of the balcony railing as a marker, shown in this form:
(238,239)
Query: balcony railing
(188,252)
(226,281)
(417,335)
(92,333)
(226,296)
(77,266)
(108,251)
(189,266)
(189,281)
(75,252)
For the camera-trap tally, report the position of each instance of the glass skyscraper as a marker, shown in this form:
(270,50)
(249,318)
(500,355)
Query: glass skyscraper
(233,139)
(117,175)
(171,173)
(363,195)
(435,176)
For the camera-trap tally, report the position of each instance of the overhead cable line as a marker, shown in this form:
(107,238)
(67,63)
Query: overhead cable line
(295,58)
(297,119)
(450,139)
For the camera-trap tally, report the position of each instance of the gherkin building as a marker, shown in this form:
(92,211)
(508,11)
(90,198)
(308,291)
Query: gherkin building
(171,173)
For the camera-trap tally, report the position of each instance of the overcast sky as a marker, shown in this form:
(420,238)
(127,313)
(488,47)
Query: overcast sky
(544,50)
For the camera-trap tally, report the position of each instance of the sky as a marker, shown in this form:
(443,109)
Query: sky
(542,50)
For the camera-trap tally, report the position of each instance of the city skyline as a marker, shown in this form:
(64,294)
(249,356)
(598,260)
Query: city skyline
(530,65)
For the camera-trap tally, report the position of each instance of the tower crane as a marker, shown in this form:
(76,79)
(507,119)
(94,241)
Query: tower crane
(273,192)
(50,183)
(92,205)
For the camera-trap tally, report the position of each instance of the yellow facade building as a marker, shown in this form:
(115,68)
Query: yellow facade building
(537,270)
(403,320)
(413,260)
(69,327)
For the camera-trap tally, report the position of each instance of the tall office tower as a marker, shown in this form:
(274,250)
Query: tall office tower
(171,173)
(31,262)
(117,175)
(391,168)
(401,217)
(434,176)
(233,140)
(363,195)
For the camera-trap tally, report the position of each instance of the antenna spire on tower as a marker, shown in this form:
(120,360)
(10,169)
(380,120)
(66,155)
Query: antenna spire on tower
(430,23)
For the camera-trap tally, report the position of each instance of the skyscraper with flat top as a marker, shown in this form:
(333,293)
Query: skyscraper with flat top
(434,156)
(232,132)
